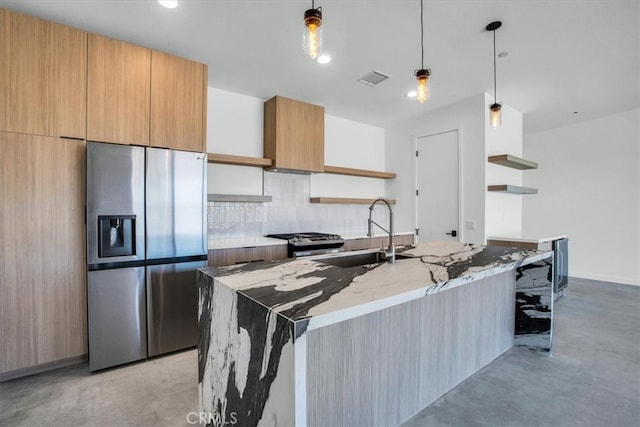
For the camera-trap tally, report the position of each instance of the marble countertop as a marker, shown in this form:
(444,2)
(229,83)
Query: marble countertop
(248,242)
(305,290)
(528,237)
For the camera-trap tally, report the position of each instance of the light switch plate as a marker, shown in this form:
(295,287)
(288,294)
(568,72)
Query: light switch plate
(470,225)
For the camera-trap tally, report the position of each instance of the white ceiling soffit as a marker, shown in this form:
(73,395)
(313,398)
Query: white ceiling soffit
(564,55)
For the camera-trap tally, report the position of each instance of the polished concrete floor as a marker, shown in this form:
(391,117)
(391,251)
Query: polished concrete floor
(592,379)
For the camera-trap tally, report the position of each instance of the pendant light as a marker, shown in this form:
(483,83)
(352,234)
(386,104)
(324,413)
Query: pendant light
(495,109)
(312,38)
(422,75)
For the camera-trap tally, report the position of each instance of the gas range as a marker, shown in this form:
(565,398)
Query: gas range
(305,244)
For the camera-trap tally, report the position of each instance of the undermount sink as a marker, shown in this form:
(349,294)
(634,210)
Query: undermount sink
(358,259)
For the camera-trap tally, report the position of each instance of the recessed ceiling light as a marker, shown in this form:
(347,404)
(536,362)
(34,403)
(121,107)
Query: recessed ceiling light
(324,59)
(503,54)
(171,4)
(412,94)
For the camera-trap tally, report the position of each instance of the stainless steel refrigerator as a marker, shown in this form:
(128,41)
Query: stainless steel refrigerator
(146,237)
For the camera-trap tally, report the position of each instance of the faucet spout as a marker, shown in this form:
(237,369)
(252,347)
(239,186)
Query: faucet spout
(390,253)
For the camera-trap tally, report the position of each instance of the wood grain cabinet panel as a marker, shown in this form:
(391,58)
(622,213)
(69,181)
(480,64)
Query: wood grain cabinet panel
(118,91)
(357,244)
(42,263)
(294,134)
(178,103)
(377,242)
(514,244)
(42,77)
(230,256)
(403,239)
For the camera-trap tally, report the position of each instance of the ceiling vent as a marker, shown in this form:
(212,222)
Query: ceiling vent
(373,78)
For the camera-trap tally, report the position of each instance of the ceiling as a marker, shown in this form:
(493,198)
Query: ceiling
(563,55)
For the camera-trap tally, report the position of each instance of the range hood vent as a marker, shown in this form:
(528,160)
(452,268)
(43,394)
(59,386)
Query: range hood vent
(373,78)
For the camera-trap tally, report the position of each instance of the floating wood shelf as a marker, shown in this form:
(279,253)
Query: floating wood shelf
(227,159)
(512,162)
(358,172)
(345,201)
(238,198)
(512,189)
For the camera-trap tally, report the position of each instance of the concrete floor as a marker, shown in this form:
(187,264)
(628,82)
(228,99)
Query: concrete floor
(592,379)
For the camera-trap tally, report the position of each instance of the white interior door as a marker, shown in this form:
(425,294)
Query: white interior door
(437,187)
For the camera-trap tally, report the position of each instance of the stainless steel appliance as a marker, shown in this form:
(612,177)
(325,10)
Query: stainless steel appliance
(146,237)
(561,266)
(306,244)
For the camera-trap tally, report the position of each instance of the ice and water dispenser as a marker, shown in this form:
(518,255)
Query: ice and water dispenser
(116,235)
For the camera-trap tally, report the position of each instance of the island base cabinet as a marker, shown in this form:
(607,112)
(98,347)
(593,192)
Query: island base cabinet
(382,368)
(378,362)
(377,369)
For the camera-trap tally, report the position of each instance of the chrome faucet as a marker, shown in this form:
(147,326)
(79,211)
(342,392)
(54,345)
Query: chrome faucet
(390,253)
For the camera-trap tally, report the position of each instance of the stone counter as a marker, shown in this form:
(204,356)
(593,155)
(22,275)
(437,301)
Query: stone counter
(265,328)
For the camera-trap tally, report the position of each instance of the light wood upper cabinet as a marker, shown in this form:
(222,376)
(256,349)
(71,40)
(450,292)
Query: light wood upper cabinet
(294,134)
(42,77)
(178,103)
(118,91)
(42,251)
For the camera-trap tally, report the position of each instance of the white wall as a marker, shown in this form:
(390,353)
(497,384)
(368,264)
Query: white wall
(234,126)
(589,188)
(355,145)
(503,212)
(468,117)
(234,123)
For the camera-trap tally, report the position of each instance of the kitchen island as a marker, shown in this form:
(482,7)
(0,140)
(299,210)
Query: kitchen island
(334,341)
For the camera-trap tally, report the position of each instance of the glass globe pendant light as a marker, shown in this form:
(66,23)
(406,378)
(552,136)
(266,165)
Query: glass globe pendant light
(423,74)
(495,109)
(312,37)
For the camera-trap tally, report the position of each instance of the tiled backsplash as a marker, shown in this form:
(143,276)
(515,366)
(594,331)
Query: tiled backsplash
(290,211)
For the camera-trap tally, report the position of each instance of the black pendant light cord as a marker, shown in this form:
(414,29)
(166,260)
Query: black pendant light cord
(495,88)
(422,35)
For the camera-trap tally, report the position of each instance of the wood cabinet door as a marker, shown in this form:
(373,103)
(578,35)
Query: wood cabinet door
(230,256)
(294,134)
(356,244)
(178,103)
(42,77)
(118,91)
(403,239)
(42,256)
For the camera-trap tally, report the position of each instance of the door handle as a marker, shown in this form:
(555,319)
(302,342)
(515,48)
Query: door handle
(453,233)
